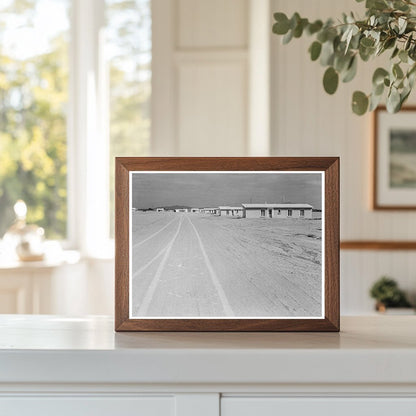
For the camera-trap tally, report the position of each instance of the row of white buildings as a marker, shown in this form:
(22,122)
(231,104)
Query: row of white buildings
(252,211)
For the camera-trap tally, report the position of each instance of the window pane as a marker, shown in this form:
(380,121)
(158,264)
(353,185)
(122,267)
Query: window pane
(129,52)
(33,100)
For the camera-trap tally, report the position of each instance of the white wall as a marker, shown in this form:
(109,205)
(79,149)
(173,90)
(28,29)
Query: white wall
(308,122)
(204,89)
(211,93)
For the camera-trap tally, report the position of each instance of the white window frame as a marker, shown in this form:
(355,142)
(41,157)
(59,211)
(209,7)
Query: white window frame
(88,138)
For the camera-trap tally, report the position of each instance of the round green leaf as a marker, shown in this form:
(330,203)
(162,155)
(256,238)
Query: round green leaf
(395,52)
(378,90)
(314,27)
(315,50)
(327,54)
(298,30)
(351,71)
(359,103)
(374,102)
(408,42)
(366,53)
(403,55)
(397,71)
(281,27)
(389,43)
(379,75)
(367,42)
(393,101)
(288,37)
(330,80)
(342,61)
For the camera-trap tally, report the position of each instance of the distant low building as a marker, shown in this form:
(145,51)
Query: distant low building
(181,210)
(195,210)
(277,210)
(231,211)
(160,209)
(212,211)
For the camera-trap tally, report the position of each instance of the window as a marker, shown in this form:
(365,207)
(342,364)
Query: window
(129,46)
(302,212)
(74,93)
(34,72)
(263,213)
(289,212)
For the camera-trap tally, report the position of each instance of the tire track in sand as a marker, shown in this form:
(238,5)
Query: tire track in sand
(221,294)
(148,297)
(139,243)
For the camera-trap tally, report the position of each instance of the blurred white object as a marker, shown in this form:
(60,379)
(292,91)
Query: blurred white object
(25,241)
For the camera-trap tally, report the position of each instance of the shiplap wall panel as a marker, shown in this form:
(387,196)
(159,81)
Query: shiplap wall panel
(308,122)
(359,270)
(212,108)
(212,24)
(211,84)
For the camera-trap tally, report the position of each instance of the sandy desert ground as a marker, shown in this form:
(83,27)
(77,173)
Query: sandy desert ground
(197,265)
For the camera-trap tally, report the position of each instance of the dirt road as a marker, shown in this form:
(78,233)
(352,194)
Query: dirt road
(197,265)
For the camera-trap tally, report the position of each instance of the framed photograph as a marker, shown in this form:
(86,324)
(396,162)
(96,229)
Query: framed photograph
(227,244)
(394,163)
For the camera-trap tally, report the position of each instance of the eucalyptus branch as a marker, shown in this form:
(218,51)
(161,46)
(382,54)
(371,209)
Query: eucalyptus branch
(389,25)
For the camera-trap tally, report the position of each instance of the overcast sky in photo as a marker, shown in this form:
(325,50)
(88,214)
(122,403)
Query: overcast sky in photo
(151,190)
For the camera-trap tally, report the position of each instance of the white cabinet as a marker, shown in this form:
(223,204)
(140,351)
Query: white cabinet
(262,406)
(54,365)
(88,406)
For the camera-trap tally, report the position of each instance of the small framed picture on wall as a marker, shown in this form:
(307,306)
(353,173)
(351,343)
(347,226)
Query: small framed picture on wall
(394,159)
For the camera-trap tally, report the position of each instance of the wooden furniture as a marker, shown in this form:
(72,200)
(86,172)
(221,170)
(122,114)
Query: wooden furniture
(68,366)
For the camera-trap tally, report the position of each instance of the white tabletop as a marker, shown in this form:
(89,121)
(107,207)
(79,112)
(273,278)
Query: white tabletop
(376,349)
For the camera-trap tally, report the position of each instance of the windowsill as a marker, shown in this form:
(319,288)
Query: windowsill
(56,256)
(63,258)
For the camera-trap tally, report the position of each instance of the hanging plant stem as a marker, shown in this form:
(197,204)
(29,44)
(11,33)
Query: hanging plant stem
(389,26)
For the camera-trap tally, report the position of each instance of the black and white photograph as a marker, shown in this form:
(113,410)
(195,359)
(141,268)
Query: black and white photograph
(226,244)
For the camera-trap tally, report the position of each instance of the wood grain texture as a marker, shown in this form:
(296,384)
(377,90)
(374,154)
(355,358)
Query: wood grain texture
(330,165)
(332,226)
(121,244)
(376,205)
(378,245)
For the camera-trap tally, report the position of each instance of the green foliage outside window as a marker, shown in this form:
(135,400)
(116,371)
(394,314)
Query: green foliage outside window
(34,103)
(33,99)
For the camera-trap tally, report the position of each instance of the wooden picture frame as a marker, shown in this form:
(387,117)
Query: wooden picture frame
(394,184)
(141,179)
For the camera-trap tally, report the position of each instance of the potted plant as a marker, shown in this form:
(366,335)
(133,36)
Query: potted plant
(387,294)
(389,27)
